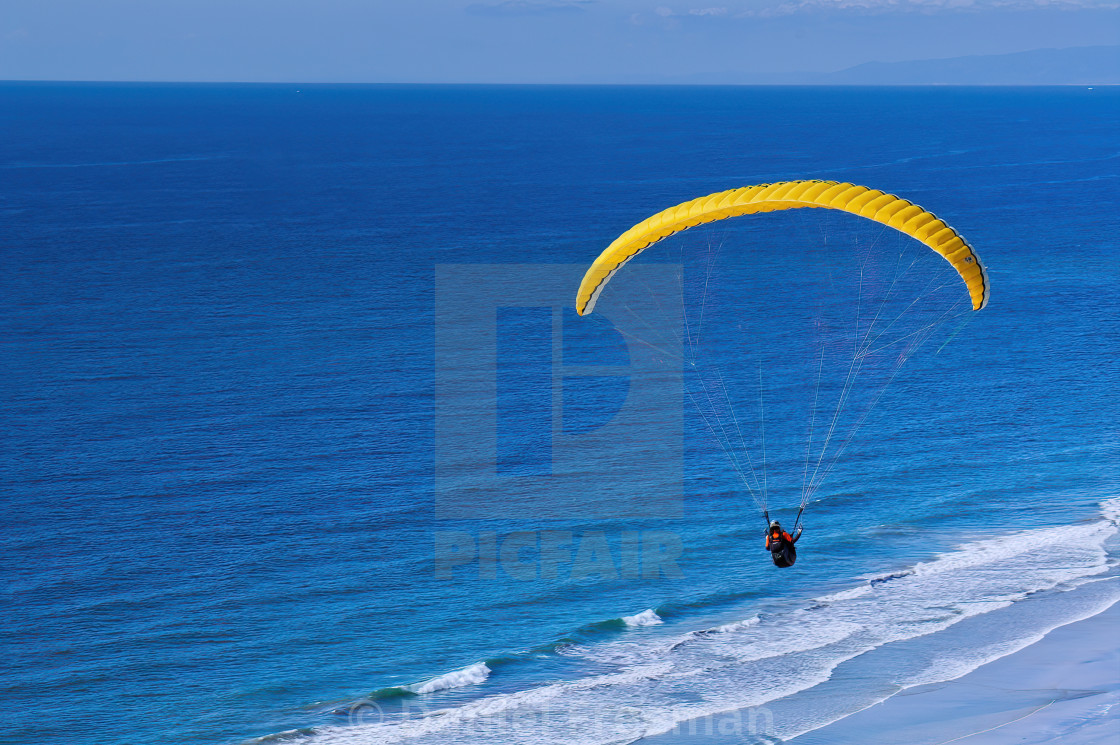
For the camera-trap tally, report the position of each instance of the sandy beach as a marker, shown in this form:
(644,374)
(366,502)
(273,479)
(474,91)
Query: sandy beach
(1064,689)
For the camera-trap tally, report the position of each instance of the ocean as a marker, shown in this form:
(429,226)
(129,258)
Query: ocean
(304,440)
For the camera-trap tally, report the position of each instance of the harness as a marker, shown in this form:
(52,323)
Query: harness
(783,552)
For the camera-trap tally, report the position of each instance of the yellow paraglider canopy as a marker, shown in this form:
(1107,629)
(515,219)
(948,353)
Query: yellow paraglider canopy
(873,204)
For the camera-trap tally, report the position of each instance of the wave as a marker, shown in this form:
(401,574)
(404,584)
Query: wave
(735,625)
(634,653)
(469,675)
(592,632)
(726,628)
(628,687)
(1110,508)
(646,618)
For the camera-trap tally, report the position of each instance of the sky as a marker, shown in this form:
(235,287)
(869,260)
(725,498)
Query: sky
(519,41)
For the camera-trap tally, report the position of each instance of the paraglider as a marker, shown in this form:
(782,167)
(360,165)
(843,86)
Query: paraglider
(900,214)
(780,544)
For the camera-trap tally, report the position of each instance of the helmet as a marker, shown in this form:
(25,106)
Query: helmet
(775,526)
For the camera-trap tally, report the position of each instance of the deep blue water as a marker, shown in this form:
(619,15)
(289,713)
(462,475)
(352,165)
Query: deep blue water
(236,328)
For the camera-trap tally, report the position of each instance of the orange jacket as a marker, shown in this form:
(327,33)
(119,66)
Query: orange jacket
(785,536)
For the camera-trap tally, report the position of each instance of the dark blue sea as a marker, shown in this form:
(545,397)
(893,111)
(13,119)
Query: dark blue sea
(304,441)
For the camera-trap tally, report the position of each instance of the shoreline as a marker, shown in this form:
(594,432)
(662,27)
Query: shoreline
(1063,688)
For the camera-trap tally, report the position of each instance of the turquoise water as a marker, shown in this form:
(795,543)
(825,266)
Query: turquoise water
(237,330)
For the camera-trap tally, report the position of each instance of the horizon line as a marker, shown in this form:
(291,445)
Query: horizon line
(554,84)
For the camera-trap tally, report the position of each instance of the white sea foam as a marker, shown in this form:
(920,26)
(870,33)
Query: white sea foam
(626,652)
(646,618)
(470,675)
(851,592)
(1110,508)
(737,625)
